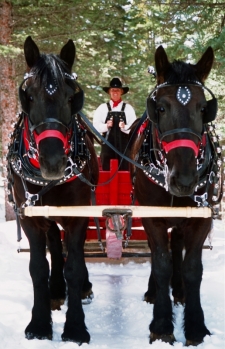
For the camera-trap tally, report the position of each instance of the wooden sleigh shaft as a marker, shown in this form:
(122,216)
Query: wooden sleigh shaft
(101,210)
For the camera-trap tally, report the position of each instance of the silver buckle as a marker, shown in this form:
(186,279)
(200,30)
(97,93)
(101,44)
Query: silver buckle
(201,199)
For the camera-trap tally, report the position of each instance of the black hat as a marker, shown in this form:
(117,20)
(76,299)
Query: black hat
(116,83)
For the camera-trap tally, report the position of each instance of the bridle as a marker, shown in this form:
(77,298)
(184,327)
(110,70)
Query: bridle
(207,151)
(32,138)
(60,130)
(24,146)
(183,96)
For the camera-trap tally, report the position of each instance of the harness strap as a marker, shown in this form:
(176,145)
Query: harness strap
(93,129)
(93,199)
(110,109)
(180,143)
(129,223)
(178,130)
(50,133)
(19,235)
(32,198)
(47,121)
(123,106)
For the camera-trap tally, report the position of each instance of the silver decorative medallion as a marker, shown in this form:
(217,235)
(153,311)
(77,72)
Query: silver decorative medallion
(51,88)
(183,94)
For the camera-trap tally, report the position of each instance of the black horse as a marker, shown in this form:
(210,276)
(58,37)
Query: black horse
(50,149)
(181,162)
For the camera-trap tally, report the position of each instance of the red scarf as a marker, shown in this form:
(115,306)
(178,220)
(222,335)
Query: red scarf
(115,103)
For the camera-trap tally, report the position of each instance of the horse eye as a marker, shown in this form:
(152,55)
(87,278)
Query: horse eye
(161,109)
(30,98)
(70,99)
(203,110)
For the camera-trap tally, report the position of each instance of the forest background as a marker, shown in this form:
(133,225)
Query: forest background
(112,38)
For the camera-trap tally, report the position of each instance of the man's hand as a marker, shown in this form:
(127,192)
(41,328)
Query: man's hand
(109,123)
(121,124)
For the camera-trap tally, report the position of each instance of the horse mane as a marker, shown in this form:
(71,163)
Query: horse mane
(51,69)
(180,72)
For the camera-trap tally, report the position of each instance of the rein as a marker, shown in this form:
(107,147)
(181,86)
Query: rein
(180,143)
(93,129)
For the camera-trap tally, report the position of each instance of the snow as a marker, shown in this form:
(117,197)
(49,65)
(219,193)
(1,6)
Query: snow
(117,318)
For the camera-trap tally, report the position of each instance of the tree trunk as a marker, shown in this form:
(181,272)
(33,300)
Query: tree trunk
(8,101)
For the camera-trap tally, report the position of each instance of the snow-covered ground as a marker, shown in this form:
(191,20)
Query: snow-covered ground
(117,318)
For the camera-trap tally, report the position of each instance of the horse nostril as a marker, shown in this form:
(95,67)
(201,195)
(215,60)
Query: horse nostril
(182,185)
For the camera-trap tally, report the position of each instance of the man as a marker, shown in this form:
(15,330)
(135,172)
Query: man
(113,119)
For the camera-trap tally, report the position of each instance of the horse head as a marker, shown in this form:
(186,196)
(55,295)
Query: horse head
(178,110)
(50,96)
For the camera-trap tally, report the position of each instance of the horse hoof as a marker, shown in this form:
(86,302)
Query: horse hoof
(56,304)
(194,343)
(30,335)
(166,338)
(36,332)
(78,338)
(86,297)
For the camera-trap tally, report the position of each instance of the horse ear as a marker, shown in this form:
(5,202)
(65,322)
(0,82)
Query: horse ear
(68,52)
(161,63)
(204,65)
(31,52)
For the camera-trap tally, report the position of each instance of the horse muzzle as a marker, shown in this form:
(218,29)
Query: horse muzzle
(182,184)
(52,158)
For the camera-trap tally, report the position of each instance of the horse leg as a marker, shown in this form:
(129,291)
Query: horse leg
(57,281)
(192,270)
(40,326)
(87,294)
(150,295)
(161,326)
(75,274)
(177,244)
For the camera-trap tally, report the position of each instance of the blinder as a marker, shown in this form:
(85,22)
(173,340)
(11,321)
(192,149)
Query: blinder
(23,99)
(151,109)
(209,114)
(78,100)
(211,110)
